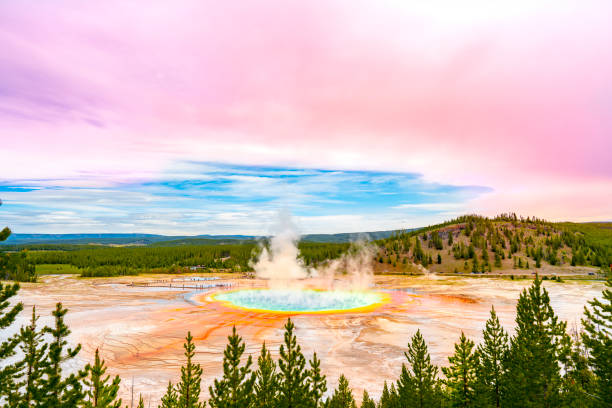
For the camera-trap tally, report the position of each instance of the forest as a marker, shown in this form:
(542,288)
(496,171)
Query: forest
(468,244)
(98,261)
(540,365)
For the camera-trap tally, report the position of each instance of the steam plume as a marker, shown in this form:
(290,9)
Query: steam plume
(281,264)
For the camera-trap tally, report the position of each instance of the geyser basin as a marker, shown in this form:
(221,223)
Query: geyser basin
(301,301)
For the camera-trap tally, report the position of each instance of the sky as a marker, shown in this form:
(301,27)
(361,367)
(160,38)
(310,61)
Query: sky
(207,117)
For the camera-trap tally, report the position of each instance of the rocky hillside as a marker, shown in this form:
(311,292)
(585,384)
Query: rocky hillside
(506,244)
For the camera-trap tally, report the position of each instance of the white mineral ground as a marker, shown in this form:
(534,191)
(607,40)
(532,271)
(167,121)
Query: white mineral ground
(140,330)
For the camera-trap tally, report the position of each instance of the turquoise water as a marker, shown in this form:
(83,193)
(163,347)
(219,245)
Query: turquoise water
(299,300)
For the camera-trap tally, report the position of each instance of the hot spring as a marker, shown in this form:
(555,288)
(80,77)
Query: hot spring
(293,301)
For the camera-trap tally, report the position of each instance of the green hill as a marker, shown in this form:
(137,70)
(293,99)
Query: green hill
(506,244)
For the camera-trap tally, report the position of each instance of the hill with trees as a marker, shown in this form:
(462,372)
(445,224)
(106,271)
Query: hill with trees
(505,244)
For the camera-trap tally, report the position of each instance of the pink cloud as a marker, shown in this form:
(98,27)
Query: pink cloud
(515,96)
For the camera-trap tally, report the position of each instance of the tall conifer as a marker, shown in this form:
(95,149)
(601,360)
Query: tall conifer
(461,373)
(316,382)
(170,398)
(417,385)
(8,314)
(293,375)
(101,392)
(597,337)
(492,353)
(235,389)
(59,391)
(33,365)
(188,388)
(342,396)
(533,378)
(366,401)
(388,398)
(266,383)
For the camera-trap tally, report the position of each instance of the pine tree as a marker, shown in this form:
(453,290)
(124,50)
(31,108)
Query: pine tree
(5,233)
(342,396)
(188,388)
(579,382)
(317,384)
(366,401)
(59,391)
(417,386)
(234,390)
(8,314)
(141,402)
(492,353)
(461,374)
(101,393)
(32,366)
(7,318)
(533,378)
(389,397)
(266,382)
(293,376)
(498,262)
(170,398)
(597,338)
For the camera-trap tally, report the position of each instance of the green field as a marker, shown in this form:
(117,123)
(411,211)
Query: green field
(53,269)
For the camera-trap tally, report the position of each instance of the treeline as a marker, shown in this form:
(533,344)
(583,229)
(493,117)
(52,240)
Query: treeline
(541,365)
(233,257)
(118,261)
(15,266)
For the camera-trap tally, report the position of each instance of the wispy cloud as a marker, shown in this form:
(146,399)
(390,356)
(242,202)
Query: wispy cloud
(199,198)
(123,98)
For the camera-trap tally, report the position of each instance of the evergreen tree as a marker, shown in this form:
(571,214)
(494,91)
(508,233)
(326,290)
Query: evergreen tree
(492,353)
(597,338)
(579,383)
(101,393)
(485,256)
(170,398)
(533,378)
(342,396)
(293,385)
(188,388)
(461,374)
(7,318)
(234,390)
(498,261)
(317,384)
(389,397)
(417,386)
(32,366)
(141,402)
(266,383)
(366,401)
(5,233)
(8,314)
(59,391)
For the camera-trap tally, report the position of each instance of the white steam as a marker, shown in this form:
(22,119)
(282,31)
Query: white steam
(281,261)
(281,265)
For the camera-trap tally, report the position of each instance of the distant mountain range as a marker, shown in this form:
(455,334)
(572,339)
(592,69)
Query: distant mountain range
(150,239)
